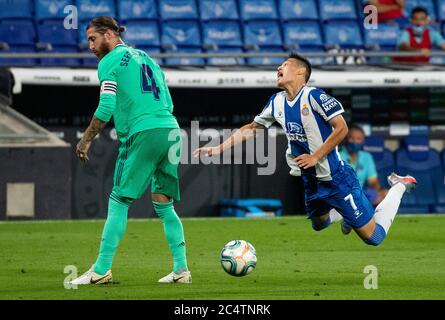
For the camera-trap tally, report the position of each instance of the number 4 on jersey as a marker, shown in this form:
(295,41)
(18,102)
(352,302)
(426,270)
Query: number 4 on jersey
(149,85)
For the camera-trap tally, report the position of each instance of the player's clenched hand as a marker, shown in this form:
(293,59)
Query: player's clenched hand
(306,161)
(82,150)
(206,151)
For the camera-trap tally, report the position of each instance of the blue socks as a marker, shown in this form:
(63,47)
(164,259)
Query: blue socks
(377,237)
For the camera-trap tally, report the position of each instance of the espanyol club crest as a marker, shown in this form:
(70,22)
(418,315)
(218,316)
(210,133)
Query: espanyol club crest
(305,110)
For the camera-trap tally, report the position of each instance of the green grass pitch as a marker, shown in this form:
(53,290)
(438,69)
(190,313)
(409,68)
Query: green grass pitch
(294,262)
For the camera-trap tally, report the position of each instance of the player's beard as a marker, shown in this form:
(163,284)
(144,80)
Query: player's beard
(103,50)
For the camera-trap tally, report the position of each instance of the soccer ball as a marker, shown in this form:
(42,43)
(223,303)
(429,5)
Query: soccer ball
(238,258)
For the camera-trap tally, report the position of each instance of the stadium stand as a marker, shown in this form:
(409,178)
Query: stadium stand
(142,34)
(298,10)
(383,157)
(215,61)
(258,10)
(177,34)
(178,9)
(218,10)
(440,205)
(383,38)
(264,26)
(427,4)
(302,34)
(423,162)
(88,9)
(222,34)
(16,9)
(343,34)
(337,10)
(137,10)
(51,9)
(441,10)
(17,36)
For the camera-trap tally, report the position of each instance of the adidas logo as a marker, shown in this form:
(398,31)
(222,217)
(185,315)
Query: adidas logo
(182,244)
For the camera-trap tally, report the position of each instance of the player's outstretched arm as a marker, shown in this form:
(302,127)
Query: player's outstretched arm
(242,134)
(90,133)
(340,131)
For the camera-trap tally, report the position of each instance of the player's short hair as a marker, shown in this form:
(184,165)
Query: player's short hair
(103,23)
(304,62)
(354,126)
(417,10)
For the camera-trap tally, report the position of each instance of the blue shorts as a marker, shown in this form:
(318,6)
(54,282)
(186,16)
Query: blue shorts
(343,193)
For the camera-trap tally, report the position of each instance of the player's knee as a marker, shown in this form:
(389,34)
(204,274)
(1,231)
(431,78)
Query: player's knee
(164,210)
(377,237)
(318,225)
(121,199)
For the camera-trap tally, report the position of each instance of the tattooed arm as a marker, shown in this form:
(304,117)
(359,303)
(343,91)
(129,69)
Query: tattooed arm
(84,144)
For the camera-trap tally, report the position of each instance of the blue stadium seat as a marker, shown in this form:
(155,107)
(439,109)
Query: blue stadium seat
(181,33)
(68,62)
(320,61)
(17,32)
(385,37)
(427,4)
(15,9)
(345,34)
(298,10)
(441,10)
(53,32)
(443,158)
(337,9)
(21,62)
(218,61)
(262,33)
(89,62)
(185,61)
(88,9)
(440,205)
(439,60)
(152,50)
(142,34)
(271,61)
(383,158)
(82,35)
(258,9)
(218,9)
(51,9)
(178,9)
(222,34)
(419,160)
(137,9)
(302,34)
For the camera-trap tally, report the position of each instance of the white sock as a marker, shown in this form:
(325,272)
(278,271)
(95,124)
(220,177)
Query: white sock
(387,209)
(334,215)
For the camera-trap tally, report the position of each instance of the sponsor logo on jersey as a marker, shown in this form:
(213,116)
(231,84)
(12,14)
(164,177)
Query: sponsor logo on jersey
(323,97)
(295,132)
(329,104)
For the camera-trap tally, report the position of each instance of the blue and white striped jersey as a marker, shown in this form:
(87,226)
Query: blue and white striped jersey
(306,123)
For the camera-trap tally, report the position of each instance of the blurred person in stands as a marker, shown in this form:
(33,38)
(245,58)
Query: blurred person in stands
(419,37)
(389,11)
(363,163)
